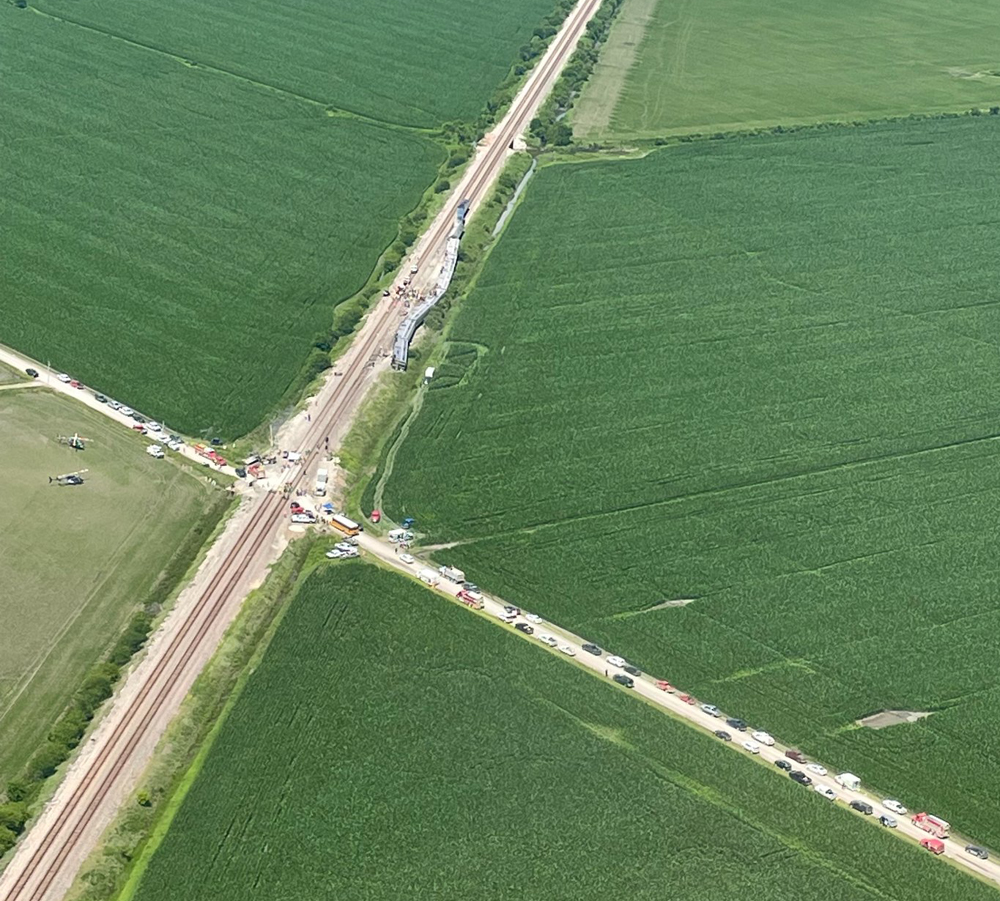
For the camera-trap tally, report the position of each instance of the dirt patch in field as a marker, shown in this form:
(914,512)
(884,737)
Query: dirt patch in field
(892,718)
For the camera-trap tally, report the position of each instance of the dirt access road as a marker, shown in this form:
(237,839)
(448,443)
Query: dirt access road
(691,713)
(106,770)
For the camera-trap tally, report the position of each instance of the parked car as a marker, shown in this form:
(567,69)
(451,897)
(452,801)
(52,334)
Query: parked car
(977,851)
(64,378)
(75,384)
(816,768)
(894,806)
(303,518)
(512,610)
(752,746)
(887,821)
(533,618)
(783,764)
(100,398)
(615,660)
(406,558)
(548,640)
(632,670)
(155,427)
(687,699)
(800,777)
(763,737)
(725,736)
(125,411)
(797,756)
(32,372)
(826,792)
(114,405)
(862,807)
(138,417)
(567,650)
(711,710)
(525,628)
(592,649)
(664,685)
(622,679)
(737,724)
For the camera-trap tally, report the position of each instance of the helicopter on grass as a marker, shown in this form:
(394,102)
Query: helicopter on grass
(75,441)
(69,478)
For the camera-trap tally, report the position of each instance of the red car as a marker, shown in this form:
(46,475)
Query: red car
(75,384)
(664,685)
(687,699)
(141,429)
(376,515)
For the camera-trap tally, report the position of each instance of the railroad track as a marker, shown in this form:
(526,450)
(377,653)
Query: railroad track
(47,865)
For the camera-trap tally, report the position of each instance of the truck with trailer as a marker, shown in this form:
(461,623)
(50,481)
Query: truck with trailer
(321,478)
(934,825)
(452,574)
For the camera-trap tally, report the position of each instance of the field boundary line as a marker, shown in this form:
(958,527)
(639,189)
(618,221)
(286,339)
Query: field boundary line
(331,109)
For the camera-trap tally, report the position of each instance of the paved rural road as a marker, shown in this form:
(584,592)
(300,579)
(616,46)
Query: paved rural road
(105,772)
(645,686)
(83,394)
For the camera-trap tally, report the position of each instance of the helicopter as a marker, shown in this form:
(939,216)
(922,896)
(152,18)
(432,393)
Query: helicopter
(69,478)
(75,441)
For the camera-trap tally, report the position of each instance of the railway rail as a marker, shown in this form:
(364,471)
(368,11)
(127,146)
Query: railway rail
(47,861)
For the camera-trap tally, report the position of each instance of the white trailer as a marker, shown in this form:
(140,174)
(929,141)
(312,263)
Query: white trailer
(321,478)
(849,781)
(428,576)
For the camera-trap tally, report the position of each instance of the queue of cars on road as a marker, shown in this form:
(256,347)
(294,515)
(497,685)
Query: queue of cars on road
(625,677)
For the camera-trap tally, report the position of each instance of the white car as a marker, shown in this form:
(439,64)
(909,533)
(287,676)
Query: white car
(615,660)
(567,650)
(533,618)
(407,559)
(126,411)
(894,806)
(752,746)
(334,554)
(817,769)
(343,546)
(826,792)
(64,378)
(303,517)
(547,639)
(351,552)
(114,405)
(711,710)
(154,450)
(154,427)
(176,445)
(764,738)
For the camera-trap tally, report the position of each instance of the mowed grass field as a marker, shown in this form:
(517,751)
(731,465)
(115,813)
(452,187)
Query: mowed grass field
(75,562)
(175,237)
(713,65)
(391,745)
(760,375)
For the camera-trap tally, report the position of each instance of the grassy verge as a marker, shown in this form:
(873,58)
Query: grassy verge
(119,861)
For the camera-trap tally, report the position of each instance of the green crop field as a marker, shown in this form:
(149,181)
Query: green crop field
(713,65)
(397,61)
(76,561)
(189,189)
(760,375)
(391,745)
(175,237)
